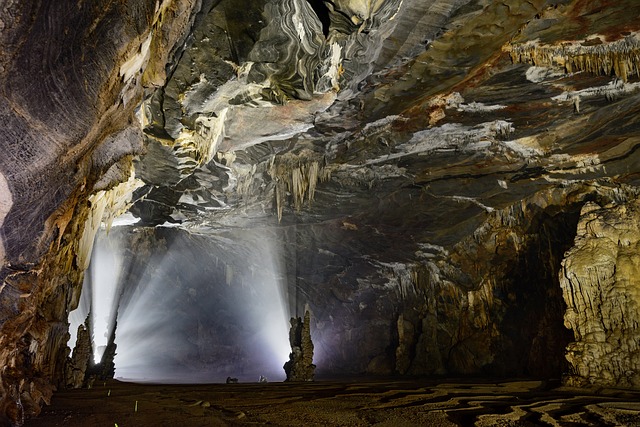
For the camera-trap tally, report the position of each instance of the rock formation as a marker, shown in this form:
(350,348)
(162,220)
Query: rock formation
(72,75)
(599,283)
(300,365)
(76,368)
(413,170)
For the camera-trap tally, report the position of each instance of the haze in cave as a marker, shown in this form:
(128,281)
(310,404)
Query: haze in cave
(442,195)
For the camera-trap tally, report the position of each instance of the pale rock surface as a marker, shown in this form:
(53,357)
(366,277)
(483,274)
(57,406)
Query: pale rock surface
(600,279)
(5,204)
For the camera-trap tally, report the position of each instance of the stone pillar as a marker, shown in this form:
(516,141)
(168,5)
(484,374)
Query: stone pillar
(106,368)
(300,366)
(80,370)
(78,363)
(600,279)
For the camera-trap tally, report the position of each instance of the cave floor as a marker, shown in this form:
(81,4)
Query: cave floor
(354,402)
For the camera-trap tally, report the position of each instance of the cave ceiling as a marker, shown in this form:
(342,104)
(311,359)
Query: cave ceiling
(424,166)
(402,153)
(403,122)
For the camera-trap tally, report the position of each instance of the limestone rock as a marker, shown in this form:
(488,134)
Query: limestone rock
(94,64)
(600,283)
(300,366)
(416,160)
(82,356)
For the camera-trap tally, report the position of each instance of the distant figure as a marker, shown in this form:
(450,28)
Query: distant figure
(232,380)
(262,379)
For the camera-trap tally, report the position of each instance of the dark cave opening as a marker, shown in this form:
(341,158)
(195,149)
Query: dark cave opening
(322,12)
(533,325)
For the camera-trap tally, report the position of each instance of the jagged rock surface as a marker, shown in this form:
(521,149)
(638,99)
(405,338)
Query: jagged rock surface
(76,367)
(600,285)
(300,365)
(72,74)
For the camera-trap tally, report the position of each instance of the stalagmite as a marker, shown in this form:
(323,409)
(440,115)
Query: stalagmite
(599,279)
(82,356)
(300,366)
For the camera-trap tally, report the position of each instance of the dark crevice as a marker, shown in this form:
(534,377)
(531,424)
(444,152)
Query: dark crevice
(534,324)
(322,12)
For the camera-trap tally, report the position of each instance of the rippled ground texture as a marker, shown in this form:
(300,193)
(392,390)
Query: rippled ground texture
(342,403)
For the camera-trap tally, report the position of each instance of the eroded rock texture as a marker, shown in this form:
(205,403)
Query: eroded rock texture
(300,365)
(599,282)
(422,167)
(76,367)
(71,75)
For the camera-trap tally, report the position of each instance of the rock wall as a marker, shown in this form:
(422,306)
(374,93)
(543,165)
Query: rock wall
(71,75)
(600,280)
(493,305)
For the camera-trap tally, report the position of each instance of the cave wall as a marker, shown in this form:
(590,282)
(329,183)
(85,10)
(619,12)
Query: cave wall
(72,74)
(426,167)
(491,305)
(494,305)
(599,280)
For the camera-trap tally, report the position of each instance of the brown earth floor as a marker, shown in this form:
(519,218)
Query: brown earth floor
(416,402)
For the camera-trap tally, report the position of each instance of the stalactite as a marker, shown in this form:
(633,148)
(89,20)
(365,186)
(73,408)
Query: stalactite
(313,179)
(402,277)
(193,149)
(279,203)
(297,176)
(620,57)
(298,187)
(106,205)
(228,274)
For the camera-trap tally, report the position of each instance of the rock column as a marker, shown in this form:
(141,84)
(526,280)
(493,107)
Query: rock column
(600,279)
(300,366)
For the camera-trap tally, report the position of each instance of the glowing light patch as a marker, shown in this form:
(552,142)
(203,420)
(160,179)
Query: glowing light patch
(173,323)
(6,200)
(105,271)
(271,316)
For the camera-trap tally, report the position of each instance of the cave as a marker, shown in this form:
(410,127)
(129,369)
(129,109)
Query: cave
(439,200)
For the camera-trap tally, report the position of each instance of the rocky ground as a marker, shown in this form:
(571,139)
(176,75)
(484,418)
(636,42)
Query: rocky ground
(406,402)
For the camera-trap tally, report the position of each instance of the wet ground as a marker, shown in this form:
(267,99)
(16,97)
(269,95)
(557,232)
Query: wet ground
(416,402)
